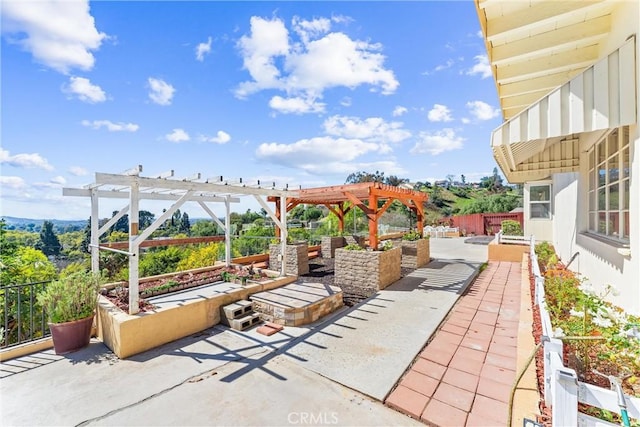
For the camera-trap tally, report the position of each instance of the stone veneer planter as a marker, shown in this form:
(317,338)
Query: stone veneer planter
(415,253)
(329,245)
(127,335)
(297,258)
(363,273)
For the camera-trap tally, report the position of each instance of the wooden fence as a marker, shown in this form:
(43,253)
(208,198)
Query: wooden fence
(485,223)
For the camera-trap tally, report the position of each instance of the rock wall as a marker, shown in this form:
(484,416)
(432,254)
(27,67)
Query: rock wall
(363,273)
(415,253)
(328,245)
(297,259)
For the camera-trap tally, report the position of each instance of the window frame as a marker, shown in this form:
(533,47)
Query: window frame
(608,195)
(540,202)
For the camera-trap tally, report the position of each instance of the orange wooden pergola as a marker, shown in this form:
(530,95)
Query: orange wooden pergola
(339,199)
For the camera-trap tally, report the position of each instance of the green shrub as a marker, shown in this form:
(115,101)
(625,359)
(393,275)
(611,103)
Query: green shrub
(353,247)
(411,236)
(72,297)
(511,228)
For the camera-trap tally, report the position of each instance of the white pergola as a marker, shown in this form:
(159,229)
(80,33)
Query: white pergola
(130,185)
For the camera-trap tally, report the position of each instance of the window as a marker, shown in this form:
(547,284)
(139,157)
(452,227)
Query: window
(540,201)
(609,186)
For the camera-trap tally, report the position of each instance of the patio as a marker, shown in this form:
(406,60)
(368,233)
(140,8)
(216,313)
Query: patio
(220,376)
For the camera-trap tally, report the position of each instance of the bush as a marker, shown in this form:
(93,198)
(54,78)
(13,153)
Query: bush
(511,228)
(353,247)
(411,236)
(72,297)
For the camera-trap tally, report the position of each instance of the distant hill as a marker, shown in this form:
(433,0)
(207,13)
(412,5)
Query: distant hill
(32,224)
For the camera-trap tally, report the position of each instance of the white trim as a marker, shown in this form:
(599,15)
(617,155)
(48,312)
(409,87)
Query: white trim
(602,96)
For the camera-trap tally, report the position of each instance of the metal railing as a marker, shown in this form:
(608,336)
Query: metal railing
(562,389)
(23,320)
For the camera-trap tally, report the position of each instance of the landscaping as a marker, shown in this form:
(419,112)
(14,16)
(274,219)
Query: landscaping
(118,293)
(599,338)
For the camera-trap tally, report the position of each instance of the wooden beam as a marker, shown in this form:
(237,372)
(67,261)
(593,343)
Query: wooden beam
(360,204)
(383,208)
(165,242)
(373,223)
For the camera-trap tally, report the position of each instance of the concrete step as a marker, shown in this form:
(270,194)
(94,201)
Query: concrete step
(245,322)
(236,310)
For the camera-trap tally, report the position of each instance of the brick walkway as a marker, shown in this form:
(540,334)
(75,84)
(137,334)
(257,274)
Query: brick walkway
(463,377)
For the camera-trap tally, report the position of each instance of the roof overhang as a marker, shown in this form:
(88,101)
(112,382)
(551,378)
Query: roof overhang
(535,46)
(544,138)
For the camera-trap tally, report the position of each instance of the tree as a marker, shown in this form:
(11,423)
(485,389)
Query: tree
(185,224)
(492,183)
(363,176)
(49,243)
(395,181)
(204,228)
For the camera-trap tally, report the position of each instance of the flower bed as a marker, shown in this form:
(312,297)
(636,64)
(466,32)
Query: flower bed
(118,293)
(596,335)
(127,335)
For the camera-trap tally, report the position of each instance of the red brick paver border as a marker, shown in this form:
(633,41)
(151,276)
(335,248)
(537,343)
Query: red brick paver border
(464,375)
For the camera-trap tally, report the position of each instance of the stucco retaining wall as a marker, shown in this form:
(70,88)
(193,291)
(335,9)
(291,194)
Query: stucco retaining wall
(127,335)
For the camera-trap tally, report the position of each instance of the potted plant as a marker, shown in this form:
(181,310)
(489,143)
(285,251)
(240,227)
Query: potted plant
(415,250)
(70,304)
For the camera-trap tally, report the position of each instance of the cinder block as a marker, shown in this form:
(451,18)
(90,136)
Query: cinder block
(245,322)
(237,309)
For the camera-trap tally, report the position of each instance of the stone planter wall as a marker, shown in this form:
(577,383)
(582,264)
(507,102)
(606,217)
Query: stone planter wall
(297,259)
(363,273)
(329,245)
(415,253)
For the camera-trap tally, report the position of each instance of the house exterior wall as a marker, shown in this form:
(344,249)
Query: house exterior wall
(597,260)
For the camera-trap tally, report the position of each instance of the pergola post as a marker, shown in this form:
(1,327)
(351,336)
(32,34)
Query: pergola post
(373,222)
(95,237)
(227,232)
(279,216)
(285,234)
(134,248)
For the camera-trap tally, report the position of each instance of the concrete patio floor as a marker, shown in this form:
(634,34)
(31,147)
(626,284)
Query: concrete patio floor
(337,371)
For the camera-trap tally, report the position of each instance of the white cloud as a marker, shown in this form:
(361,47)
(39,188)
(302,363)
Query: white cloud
(160,91)
(60,34)
(438,142)
(202,49)
(482,111)
(84,90)
(318,61)
(439,113)
(296,105)
(221,138)
(78,171)
(310,29)
(316,155)
(373,129)
(111,126)
(178,135)
(399,111)
(59,180)
(481,67)
(14,182)
(346,101)
(24,160)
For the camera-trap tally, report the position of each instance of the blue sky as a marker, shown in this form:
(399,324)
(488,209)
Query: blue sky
(301,93)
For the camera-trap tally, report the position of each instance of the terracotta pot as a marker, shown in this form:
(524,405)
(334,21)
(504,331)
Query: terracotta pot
(71,336)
